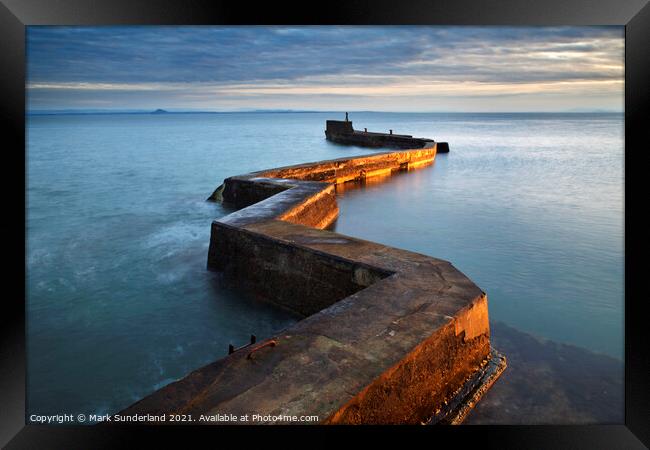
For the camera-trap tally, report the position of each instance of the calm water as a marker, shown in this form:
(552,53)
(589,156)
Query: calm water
(119,300)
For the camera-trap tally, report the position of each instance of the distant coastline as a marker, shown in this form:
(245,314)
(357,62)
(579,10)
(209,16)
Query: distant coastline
(291,111)
(164,111)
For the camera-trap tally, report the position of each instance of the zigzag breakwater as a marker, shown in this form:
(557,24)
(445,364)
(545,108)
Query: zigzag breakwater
(388,335)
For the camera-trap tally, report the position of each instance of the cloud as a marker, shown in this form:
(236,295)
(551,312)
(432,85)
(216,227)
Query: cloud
(219,63)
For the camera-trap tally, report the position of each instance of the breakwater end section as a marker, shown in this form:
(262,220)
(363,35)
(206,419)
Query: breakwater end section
(388,335)
(342,132)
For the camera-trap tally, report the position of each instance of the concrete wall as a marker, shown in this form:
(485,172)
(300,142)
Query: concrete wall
(338,127)
(389,336)
(292,276)
(343,133)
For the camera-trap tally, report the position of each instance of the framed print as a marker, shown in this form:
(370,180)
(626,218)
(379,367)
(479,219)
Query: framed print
(398,219)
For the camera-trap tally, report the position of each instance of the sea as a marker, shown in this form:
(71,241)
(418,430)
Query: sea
(120,303)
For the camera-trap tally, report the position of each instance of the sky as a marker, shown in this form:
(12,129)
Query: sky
(326,68)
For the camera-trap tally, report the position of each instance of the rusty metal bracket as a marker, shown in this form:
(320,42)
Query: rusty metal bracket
(271,343)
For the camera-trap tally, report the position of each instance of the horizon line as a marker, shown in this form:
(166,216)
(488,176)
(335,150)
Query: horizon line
(285,111)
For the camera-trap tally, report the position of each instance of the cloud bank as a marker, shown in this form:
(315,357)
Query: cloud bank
(397,68)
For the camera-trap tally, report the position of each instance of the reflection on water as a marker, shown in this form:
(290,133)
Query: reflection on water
(367,183)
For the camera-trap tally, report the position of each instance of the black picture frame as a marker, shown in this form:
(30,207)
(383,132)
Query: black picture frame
(15,15)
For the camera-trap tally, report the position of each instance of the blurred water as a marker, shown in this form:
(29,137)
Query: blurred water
(120,302)
(529,206)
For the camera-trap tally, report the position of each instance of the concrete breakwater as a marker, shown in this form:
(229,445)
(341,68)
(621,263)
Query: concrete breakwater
(388,336)
(342,132)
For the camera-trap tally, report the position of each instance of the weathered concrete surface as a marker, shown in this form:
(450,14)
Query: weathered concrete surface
(342,132)
(390,336)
